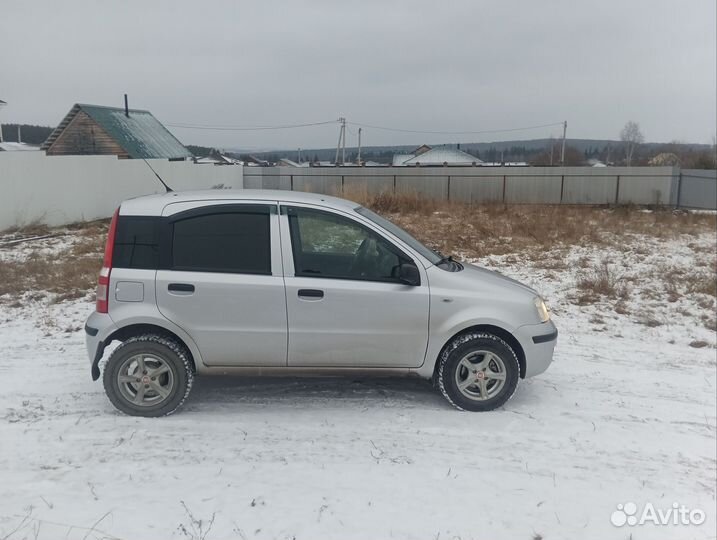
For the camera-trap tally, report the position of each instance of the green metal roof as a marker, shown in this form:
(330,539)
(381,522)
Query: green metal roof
(140,134)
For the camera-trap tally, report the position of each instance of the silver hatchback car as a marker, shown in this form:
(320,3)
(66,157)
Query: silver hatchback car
(288,283)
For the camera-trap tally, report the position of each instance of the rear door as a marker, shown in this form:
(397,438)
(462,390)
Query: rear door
(345,306)
(222,282)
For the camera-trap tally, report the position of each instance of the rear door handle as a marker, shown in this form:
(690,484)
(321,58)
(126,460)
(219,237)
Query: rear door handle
(186,288)
(311,293)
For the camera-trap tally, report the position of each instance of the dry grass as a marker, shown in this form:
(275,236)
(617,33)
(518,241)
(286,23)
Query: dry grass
(67,274)
(497,229)
(34,228)
(601,281)
(65,278)
(701,282)
(694,281)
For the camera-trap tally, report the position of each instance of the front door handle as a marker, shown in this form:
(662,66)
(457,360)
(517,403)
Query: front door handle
(186,288)
(311,293)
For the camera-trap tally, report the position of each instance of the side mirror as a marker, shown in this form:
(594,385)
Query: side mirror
(408,274)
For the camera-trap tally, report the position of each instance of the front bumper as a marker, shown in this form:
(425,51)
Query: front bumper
(538,342)
(98,328)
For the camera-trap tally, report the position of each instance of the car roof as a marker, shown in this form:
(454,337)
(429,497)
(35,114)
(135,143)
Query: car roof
(152,205)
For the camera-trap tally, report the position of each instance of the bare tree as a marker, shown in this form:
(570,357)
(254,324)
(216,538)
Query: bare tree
(632,137)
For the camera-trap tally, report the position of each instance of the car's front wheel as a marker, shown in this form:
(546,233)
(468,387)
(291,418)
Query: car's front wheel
(148,375)
(478,372)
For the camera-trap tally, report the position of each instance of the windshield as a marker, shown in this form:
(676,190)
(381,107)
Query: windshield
(398,232)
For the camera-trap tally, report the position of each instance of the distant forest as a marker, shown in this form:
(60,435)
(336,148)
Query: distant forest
(539,152)
(29,134)
(201,151)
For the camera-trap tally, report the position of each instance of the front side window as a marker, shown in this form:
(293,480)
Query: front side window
(331,246)
(397,231)
(231,241)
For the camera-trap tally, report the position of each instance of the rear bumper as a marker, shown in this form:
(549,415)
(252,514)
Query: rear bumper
(98,328)
(538,342)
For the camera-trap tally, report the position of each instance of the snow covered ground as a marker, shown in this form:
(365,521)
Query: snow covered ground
(625,414)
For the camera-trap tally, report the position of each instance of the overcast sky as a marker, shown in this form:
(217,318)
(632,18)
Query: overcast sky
(459,65)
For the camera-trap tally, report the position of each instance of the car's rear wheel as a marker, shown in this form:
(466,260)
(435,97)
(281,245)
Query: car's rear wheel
(148,375)
(478,372)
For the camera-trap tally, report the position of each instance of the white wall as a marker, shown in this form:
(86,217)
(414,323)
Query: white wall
(57,190)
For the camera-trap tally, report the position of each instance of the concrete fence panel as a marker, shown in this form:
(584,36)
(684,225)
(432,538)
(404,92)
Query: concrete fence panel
(266,178)
(593,190)
(524,189)
(328,185)
(57,190)
(254,181)
(698,189)
(524,185)
(476,189)
(647,185)
(372,185)
(424,182)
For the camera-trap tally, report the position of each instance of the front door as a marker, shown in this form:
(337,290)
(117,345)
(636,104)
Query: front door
(222,283)
(345,306)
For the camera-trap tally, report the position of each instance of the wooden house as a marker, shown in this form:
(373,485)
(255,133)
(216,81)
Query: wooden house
(125,133)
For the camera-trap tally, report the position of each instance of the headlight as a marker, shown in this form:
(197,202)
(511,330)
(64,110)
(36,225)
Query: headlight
(543,313)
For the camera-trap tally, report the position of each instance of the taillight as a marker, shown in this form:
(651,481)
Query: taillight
(103,281)
(103,287)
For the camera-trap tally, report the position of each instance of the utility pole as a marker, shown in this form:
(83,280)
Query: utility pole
(299,156)
(359,148)
(343,146)
(562,152)
(342,137)
(2,104)
(19,133)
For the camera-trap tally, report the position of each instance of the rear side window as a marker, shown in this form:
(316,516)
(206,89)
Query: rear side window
(136,242)
(230,241)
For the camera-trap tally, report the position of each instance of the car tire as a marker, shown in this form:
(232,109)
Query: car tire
(148,375)
(478,372)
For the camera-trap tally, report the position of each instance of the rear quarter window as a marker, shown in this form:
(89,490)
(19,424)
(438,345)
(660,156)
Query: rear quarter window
(136,242)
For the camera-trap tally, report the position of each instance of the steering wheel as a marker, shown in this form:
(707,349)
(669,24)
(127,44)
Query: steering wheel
(358,266)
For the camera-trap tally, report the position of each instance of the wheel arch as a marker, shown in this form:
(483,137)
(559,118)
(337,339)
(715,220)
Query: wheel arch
(497,331)
(136,329)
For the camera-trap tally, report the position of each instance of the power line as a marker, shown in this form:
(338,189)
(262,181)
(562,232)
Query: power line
(399,130)
(249,128)
(182,125)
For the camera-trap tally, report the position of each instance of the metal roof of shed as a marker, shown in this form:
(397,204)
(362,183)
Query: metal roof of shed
(140,134)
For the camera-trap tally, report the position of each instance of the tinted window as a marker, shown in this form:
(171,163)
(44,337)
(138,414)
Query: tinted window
(234,241)
(136,242)
(328,245)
